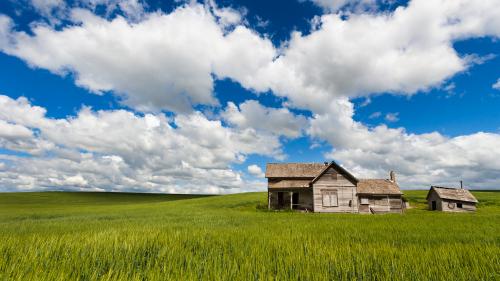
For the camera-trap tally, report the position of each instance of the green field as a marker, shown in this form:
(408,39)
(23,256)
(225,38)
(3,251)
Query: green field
(106,236)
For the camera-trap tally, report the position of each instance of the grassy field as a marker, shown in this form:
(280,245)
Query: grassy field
(103,236)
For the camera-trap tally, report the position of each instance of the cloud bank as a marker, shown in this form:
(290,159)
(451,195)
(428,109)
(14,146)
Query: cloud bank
(171,61)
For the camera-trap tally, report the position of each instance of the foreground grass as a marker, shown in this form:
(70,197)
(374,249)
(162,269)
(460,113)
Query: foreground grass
(102,236)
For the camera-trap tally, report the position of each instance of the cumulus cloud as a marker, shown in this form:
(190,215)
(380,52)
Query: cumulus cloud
(57,10)
(420,159)
(352,5)
(255,171)
(165,61)
(170,61)
(375,114)
(278,121)
(403,52)
(392,116)
(51,9)
(496,85)
(119,150)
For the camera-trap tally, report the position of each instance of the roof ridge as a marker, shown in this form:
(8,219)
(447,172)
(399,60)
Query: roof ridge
(445,187)
(295,163)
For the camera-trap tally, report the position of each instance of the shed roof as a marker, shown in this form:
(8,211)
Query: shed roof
(293,170)
(458,194)
(377,186)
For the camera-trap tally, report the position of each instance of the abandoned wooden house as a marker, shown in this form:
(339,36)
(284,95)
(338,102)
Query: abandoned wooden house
(451,199)
(329,188)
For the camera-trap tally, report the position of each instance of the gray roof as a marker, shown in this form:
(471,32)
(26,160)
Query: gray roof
(293,170)
(457,194)
(377,186)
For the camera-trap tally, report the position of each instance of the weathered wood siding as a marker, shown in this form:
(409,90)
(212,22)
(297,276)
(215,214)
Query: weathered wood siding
(381,204)
(331,180)
(434,197)
(452,206)
(396,204)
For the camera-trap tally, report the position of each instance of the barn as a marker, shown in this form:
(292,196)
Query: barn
(449,199)
(329,188)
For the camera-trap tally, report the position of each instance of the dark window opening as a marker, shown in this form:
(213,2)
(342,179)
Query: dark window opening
(295,200)
(280,200)
(434,207)
(459,205)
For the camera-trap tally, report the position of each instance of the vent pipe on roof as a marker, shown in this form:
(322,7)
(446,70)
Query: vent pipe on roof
(392,176)
(461,185)
(326,163)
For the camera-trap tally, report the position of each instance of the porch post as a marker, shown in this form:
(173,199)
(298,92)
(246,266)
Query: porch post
(269,200)
(291,200)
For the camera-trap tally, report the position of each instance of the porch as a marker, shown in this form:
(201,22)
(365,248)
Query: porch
(292,199)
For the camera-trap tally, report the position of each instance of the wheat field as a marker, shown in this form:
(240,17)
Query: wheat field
(116,236)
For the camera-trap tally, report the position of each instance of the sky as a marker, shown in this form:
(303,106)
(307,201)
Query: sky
(197,96)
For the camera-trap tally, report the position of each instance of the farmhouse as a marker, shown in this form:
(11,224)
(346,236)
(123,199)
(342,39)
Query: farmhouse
(329,188)
(451,199)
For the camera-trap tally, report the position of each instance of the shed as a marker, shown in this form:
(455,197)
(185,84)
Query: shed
(380,196)
(450,199)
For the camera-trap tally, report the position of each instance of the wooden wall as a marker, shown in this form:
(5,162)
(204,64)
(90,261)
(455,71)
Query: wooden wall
(381,204)
(434,197)
(346,193)
(451,206)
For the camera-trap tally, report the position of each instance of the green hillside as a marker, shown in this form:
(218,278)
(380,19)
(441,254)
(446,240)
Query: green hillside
(117,236)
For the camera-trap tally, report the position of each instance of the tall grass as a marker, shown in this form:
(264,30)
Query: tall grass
(67,236)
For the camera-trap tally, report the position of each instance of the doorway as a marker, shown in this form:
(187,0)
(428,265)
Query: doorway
(434,205)
(280,200)
(295,200)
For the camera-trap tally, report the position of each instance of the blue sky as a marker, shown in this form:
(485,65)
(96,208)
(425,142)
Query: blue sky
(196,97)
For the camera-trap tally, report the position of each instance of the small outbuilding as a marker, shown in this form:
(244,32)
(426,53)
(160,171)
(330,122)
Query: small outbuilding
(449,199)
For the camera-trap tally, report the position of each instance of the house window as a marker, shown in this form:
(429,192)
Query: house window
(364,201)
(330,198)
(459,205)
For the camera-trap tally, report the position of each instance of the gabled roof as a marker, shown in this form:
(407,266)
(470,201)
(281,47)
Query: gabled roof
(458,194)
(338,168)
(293,170)
(377,186)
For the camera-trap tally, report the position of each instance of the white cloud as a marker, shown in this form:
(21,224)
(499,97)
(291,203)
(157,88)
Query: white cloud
(94,150)
(255,171)
(420,159)
(496,85)
(336,5)
(165,61)
(14,131)
(51,9)
(170,61)
(375,114)
(278,121)
(403,52)
(392,116)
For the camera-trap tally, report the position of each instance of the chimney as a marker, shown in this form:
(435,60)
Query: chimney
(326,163)
(392,176)
(461,185)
